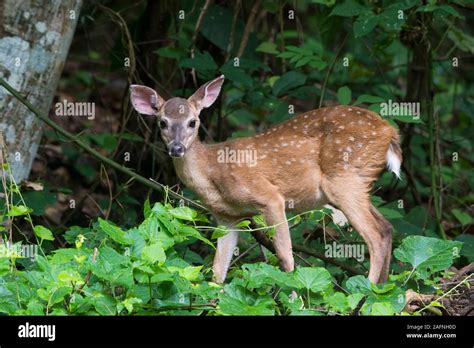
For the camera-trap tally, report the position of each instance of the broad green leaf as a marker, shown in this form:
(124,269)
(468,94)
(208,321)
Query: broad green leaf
(370,99)
(354,299)
(349,8)
(312,278)
(237,301)
(171,52)
(267,47)
(467,247)
(114,232)
(261,274)
(219,232)
(183,213)
(344,95)
(287,82)
(427,255)
(39,200)
(191,273)
(463,217)
(43,232)
(324,2)
(154,253)
(382,308)
(358,284)
(201,61)
(364,24)
(337,302)
(18,210)
(382,288)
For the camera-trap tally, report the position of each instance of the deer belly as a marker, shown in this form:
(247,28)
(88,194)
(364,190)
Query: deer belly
(304,193)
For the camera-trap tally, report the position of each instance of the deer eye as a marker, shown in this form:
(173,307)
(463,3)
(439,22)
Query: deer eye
(163,124)
(192,123)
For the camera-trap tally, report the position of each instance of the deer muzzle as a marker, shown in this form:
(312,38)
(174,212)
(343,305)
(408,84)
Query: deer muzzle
(176,149)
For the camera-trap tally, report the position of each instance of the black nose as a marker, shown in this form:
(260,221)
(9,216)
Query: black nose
(176,150)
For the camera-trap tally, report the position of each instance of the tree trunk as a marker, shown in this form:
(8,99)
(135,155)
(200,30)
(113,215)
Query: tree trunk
(34,42)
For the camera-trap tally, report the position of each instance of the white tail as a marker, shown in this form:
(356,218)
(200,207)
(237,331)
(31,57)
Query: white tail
(325,156)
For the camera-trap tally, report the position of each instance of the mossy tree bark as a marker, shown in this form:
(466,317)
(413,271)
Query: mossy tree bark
(34,41)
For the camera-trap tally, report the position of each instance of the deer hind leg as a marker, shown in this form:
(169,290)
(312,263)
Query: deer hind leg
(354,201)
(274,213)
(386,227)
(225,249)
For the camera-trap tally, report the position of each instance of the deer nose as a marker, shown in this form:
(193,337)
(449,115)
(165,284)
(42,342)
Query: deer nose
(176,149)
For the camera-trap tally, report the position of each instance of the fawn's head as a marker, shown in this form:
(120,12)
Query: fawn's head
(178,117)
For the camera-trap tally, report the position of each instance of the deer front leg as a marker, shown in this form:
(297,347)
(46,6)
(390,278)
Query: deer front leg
(223,256)
(274,214)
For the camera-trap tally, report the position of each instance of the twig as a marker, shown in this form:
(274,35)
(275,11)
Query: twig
(323,89)
(248,28)
(230,45)
(195,35)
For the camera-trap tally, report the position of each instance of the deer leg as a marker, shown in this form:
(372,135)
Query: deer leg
(274,214)
(223,256)
(354,201)
(386,229)
(364,222)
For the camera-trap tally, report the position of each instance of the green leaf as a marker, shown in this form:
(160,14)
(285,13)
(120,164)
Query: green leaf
(358,284)
(349,8)
(112,267)
(128,303)
(337,302)
(324,2)
(364,24)
(39,200)
(467,247)
(183,213)
(238,301)
(43,232)
(219,232)
(463,217)
(287,82)
(267,47)
(106,141)
(114,232)
(314,279)
(201,61)
(154,253)
(171,52)
(261,274)
(370,99)
(427,255)
(344,95)
(191,273)
(382,308)
(18,210)
(461,39)
(354,299)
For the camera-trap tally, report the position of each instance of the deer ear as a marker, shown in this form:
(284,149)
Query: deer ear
(145,100)
(207,94)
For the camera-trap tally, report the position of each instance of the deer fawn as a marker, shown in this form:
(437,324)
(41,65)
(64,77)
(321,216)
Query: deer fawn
(330,155)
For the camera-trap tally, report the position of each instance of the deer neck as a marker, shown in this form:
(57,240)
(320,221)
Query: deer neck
(191,168)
